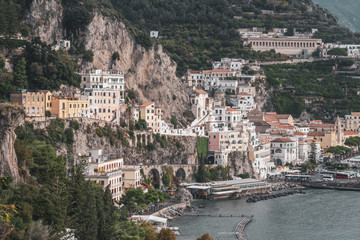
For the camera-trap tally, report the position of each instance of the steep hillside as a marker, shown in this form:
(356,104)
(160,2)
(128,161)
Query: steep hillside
(150,72)
(10,118)
(323,89)
(195,32)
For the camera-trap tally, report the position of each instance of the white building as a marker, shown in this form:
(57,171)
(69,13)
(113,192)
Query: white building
(132,176)
(229,63)
(305,149)
(105,91)
(284,150)
(154,34)
(243,102)
(106,172)
(200,103)
(261,158)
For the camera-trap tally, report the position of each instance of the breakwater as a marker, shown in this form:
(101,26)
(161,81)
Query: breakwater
(272,196)
(240,228)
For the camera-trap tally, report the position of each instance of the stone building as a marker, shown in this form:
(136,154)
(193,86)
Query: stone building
(288,46)
(35,103)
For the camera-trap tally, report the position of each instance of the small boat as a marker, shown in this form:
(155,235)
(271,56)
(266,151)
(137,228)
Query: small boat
(201,206)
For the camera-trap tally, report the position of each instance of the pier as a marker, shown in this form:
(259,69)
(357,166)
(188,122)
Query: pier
(215,215)
(239,231)
(346,186)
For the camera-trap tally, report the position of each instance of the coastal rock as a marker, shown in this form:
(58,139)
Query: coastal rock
(10,117)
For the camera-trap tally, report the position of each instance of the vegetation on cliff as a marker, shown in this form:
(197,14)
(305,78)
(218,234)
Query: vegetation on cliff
(196,32)
(37,68)
(318,87)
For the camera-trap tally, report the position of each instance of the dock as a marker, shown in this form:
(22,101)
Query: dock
(334,185)
(240,228)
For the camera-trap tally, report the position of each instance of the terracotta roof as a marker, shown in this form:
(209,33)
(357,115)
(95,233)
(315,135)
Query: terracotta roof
(282,140)
(355,113)
(317,121)
(316,134)
(146,104)
(299,133)
(200,91)
(350,133)
(283,116)
(43,91)
(269,118)
(218,70)
(286,127)
(232,110)
(324,125)
(194,71)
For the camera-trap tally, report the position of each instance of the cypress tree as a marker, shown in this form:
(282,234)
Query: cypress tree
(3,17)
(20,78)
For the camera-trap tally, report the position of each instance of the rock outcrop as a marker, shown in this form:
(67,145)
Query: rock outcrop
(240,164)
(87,139)
(151,73)
(10,117)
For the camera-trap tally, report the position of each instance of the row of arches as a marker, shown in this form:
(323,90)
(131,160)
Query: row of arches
(155,176)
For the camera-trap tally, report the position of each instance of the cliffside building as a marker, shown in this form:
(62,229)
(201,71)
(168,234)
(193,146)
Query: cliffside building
(288,46)
(105,91)
(152,115)
(68,107)
(34,103)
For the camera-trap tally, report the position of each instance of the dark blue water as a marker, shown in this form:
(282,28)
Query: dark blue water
(319,215)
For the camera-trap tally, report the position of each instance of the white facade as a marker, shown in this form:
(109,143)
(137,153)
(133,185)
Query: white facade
(154,34)
(105,91)
(284,150)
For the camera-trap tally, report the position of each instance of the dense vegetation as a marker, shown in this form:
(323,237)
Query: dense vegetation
(196,32)
(38,67)
(56,195)
(328,93)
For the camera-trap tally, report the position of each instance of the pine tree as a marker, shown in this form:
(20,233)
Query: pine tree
(106,216)
(87,220)
(20,78)
(3,20)
(12,18)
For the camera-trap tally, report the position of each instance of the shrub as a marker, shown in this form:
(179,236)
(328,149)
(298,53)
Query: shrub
(69,136)
(115,56)
(99,132)
(150,146)
(74,124)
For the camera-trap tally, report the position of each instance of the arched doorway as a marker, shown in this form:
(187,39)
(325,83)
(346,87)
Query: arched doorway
(181,174)
(210,160)
(278,162)
(154,176)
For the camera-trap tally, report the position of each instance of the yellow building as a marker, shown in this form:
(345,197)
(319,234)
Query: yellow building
(152,116)
(34,103)
(69,107)
(326,139)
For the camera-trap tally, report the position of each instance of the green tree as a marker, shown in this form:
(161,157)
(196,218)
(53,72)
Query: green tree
(206,236)
(166,234)
(20,78)
(115,56)
(312,153)
(338,52)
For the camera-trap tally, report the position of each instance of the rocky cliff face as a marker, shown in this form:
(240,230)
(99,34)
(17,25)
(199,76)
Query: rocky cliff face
(151,73)
(176,150)
(10,117)
(240,164)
